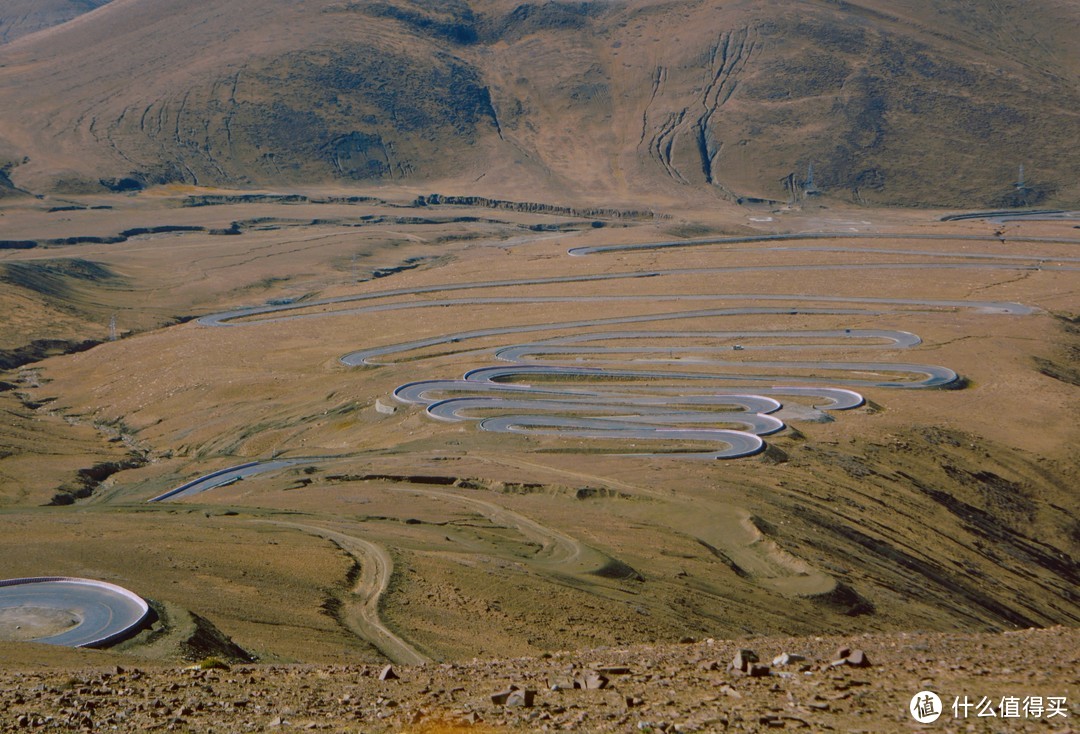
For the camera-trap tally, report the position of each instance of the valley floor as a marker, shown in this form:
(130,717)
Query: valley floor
(465,430)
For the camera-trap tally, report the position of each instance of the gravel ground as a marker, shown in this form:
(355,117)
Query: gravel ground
(1018,681)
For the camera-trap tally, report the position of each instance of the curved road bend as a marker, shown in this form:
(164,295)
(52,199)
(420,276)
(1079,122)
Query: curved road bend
(226,476)
(631,415)
(102,613)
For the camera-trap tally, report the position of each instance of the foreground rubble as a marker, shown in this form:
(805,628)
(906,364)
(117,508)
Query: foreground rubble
(1017,681)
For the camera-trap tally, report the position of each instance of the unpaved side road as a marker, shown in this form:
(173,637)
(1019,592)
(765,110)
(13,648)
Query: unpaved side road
(376,568)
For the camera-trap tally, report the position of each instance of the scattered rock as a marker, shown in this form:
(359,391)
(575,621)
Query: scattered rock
(669,690)
(500,698)
(591,680)
(787,659)
(743,660)
(853,658)
(521,697)
(759,671)
(562,684)
(388,673)
(613,670)
(858,659)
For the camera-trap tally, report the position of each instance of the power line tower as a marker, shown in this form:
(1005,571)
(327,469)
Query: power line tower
(1020,184)
(112,328)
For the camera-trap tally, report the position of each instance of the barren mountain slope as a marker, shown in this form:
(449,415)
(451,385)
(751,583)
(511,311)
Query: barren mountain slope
(22,17)
(919,102)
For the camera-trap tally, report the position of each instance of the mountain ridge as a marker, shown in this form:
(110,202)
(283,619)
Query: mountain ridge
(22,17)
(914,103)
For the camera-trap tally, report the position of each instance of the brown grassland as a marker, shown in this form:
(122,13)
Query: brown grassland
(372,174)
(925,509)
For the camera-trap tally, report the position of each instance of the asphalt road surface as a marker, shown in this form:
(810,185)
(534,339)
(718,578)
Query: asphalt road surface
(226,476)
(670,385)
(100,613)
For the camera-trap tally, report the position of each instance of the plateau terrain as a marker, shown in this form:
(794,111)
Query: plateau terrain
(532,344)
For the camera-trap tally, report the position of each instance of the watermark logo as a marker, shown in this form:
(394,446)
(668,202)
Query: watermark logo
(925,707)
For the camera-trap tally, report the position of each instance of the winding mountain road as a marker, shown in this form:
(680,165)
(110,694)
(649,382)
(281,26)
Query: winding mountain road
(606,382)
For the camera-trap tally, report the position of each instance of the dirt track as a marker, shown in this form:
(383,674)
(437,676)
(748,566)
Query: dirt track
(376,569)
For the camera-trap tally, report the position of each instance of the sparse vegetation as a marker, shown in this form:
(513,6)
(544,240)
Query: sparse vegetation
(385,534)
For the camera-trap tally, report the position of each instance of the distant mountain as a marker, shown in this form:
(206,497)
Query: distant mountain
(910,102)
(20,17)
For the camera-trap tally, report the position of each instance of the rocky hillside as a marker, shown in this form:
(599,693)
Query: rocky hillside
(920,102)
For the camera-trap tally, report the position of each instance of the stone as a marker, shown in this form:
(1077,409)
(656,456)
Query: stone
(743,660)
(842,653)
(521,697)
(501,697)
(388,673)
(591,680)
(854,658)
(858,659)
(787,659)
(613,670)
(758,671)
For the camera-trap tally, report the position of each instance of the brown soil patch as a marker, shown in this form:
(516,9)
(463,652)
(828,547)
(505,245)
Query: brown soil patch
(31,623)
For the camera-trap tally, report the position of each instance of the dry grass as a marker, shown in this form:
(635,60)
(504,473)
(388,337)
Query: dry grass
(937,510)
(633,101)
